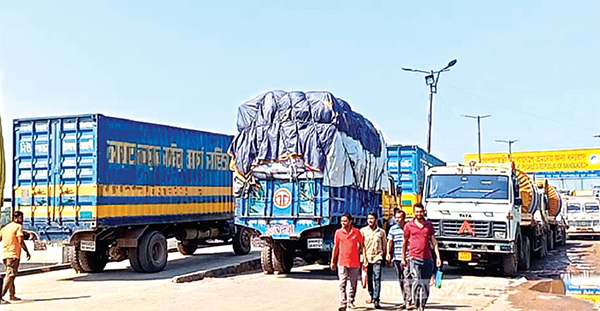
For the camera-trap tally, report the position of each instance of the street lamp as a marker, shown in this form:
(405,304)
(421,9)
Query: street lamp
(431,79)
(509,142)
(597,136)
(478,131)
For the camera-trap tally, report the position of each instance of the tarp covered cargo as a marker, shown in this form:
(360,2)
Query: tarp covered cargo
(307,135)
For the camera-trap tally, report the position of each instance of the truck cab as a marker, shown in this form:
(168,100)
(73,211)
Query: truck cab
(583,215)
(475,212)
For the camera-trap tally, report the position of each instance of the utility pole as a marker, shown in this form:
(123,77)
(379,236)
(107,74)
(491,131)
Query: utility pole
(431,79)
(509,142)
(478,130)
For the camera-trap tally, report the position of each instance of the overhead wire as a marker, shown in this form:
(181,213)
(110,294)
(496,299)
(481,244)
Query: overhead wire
(521,111)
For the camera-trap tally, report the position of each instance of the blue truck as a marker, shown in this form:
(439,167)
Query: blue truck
(117,189)
(407,165)
(301,161)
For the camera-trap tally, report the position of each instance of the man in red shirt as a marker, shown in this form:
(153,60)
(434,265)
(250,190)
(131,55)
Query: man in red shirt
(420,235)
(346,250)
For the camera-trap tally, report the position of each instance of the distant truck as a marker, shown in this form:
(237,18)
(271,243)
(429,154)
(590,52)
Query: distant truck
(407,165)
(492,215)
(117,189)
(301,161)
(583,214)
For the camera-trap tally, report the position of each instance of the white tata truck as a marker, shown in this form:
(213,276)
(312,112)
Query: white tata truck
(583,214)
(490,214)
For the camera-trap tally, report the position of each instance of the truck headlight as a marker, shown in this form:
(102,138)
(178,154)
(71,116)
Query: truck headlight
(500,235)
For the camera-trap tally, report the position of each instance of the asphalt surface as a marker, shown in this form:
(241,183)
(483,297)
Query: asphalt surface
(311,287)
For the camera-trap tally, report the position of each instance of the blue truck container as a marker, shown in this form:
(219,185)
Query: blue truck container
(299,218)
(117,188)
(408,165)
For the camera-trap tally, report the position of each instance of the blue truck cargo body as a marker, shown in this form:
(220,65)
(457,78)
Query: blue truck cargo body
(408,165)
(91,171)
(284,209)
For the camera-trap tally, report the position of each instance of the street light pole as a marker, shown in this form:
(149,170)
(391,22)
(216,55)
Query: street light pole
(509,142)
(431,79)
(478,130)
(597,136)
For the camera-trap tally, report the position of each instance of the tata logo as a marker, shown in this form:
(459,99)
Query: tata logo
(465,215)
(282,198)
(466,227)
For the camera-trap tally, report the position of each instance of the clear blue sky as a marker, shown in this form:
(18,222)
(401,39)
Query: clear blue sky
(533,65)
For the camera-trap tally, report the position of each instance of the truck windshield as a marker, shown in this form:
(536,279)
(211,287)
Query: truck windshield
(467,187)
(573,208)
(592,208)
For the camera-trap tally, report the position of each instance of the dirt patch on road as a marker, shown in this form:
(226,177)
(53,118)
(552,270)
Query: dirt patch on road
(529,296)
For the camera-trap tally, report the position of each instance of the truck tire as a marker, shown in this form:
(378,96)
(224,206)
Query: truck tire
(153,251)
(283,260)
(74,259)
(187,247)
(266,258)
(551,239)
(510,264)
(242,241)
(134,260)
(525,260)
(90,262)
(543,250)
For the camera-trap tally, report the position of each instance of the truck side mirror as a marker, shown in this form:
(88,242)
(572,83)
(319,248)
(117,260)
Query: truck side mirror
(518,201)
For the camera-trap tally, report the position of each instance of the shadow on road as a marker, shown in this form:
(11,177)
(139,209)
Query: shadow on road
(51,299)
(175,267)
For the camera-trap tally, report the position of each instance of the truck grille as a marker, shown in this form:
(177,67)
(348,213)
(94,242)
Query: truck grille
(483,229)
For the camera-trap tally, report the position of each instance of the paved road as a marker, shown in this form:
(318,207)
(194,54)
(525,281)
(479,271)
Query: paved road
(306,288)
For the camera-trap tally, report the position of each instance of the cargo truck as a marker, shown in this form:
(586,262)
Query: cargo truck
(301,161)
(490,214)
(117,189)
(407,166)
(583,214)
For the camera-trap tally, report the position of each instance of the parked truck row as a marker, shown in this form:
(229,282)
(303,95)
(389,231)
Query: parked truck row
(116,189)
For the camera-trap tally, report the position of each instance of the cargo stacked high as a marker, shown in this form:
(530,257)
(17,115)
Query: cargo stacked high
(300,161)
(117,188)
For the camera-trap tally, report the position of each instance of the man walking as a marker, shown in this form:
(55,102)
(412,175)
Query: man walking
(346,257)
(419,234)
(374,254)
(395,242)
(12,237)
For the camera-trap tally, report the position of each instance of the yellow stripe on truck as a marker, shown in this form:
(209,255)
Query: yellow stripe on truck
(120,190)
(163,209)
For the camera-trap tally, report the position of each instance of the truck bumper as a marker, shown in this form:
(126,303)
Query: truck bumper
(503,247)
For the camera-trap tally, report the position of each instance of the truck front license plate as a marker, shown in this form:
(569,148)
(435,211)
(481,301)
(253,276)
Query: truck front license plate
(88,246)
(464,256)
(314,243)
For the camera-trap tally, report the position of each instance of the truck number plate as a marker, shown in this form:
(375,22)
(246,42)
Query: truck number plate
(88,246)
(314,243)
(464,256)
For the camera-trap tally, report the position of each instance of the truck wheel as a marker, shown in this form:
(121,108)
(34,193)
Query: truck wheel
(551,238)
(90,262)
(283,260)
(509,264)
(74,259)
(242,241)
(541,253)
(134,259)
(153,251)
(266,260)
(187,247)
(525,260)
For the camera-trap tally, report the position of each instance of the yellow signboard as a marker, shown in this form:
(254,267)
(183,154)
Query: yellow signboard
(545,161)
